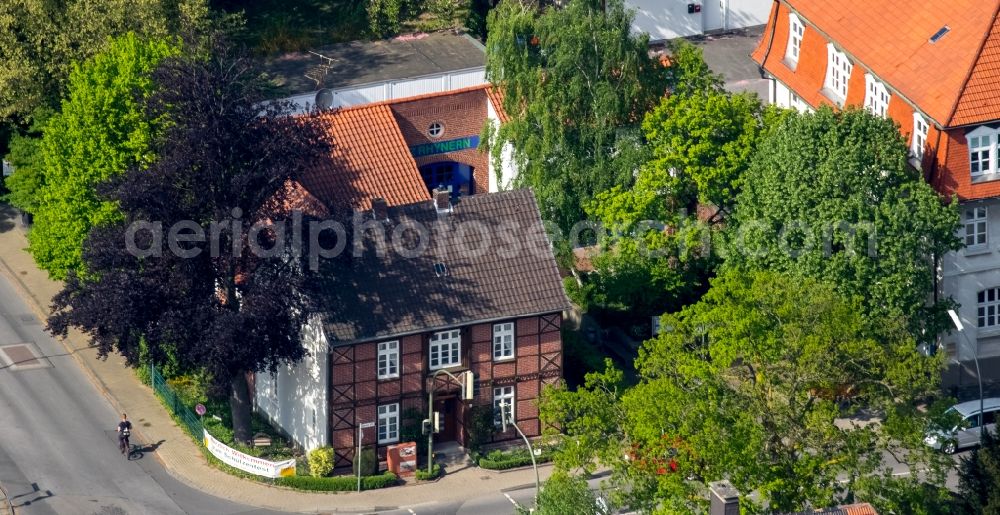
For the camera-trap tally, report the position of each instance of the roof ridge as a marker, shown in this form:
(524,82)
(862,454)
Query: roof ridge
(972,67)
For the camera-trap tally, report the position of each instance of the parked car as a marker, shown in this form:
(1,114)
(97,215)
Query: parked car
(966,432)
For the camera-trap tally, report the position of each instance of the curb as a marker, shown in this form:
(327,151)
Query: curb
(35,305)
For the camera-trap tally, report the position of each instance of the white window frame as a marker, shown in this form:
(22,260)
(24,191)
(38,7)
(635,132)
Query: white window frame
(796,31)
(838,73)
(876,96)
(387,362)
(987,309)
(503,341)
(975,226)
(982,140)
(918,143)
(388,423)
(445,344)
(503,394)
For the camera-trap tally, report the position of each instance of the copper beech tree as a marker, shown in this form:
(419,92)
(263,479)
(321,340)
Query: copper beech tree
(216,302)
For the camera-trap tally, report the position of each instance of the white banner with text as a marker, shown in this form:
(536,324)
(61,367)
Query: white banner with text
(247,463)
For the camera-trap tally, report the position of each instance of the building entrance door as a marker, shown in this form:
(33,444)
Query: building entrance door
(713,14)
(447,409)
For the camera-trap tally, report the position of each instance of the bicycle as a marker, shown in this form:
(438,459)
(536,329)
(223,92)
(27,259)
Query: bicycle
(126,447)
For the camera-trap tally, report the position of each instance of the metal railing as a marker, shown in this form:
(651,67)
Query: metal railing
(171,399)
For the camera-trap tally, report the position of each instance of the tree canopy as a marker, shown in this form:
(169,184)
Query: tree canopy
(100,132)
(576,84)
(746,385)
(830,195)
(41,41)
(220,302)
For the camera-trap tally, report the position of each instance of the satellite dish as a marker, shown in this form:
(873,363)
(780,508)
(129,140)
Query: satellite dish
(324,99)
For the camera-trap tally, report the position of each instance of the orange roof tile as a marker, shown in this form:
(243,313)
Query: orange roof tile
(370,159)
(496,98)
(980,101)
(892,39)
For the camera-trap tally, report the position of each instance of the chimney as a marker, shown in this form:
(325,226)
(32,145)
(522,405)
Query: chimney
(442,200)
(725,500)
(380,209)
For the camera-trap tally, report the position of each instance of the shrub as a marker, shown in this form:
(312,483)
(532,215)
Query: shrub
(369,462)
(423,475)
(338,483)
(321,462)
(410,431)
(481,426)
(504,460)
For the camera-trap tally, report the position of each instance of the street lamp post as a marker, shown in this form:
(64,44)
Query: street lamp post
(975,356)
(531,450)
(467,390)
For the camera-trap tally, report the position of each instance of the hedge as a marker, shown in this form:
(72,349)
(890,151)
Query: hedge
(505,461)
(423,475)
(338,483)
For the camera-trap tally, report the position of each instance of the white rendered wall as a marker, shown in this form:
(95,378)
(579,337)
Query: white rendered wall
(502,179)
(669,19)
(964,274)
(391,90)
(295,398)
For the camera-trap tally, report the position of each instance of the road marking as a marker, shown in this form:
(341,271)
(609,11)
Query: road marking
(511,499)
(411,511)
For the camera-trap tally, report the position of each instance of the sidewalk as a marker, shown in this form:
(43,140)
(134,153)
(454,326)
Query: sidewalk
(182,457)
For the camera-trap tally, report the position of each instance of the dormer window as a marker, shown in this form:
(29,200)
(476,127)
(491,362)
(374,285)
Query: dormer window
(796,29)
(876,96)
(982,153)
(838,72)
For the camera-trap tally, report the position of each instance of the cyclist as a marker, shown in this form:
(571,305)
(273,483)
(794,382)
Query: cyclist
(124,430)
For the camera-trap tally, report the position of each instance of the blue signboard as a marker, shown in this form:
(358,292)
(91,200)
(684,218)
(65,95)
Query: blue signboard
(443,147)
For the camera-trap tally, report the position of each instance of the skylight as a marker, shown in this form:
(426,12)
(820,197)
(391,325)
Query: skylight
(940,34)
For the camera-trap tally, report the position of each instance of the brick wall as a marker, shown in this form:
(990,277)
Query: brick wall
(463,115)
(356,393)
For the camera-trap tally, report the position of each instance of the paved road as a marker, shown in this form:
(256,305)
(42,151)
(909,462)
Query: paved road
(58,450)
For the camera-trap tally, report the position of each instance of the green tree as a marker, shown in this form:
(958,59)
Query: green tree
(743,385)
(703,142)
(41,41)
(576,83)
(563,494)
(979,477)
(830,195)
(25,185)
(100,132)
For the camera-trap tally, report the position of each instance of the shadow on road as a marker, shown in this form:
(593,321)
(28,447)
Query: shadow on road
(37,494)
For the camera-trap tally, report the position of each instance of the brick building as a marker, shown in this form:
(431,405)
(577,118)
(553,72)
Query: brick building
(400,150)
(482,293)
(933,68)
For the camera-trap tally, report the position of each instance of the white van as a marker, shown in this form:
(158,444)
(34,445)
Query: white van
(966,432)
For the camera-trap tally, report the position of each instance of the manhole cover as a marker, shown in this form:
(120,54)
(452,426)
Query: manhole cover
(22,356)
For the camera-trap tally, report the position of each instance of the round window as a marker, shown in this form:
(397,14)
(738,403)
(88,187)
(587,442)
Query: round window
(436,130)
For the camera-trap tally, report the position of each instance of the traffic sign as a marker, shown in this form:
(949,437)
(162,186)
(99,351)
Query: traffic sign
(200,409)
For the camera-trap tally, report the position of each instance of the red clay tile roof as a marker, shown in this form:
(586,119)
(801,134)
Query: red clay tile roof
(891,38)
(496,98)
(370,159)
(980,101)
(370,156)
